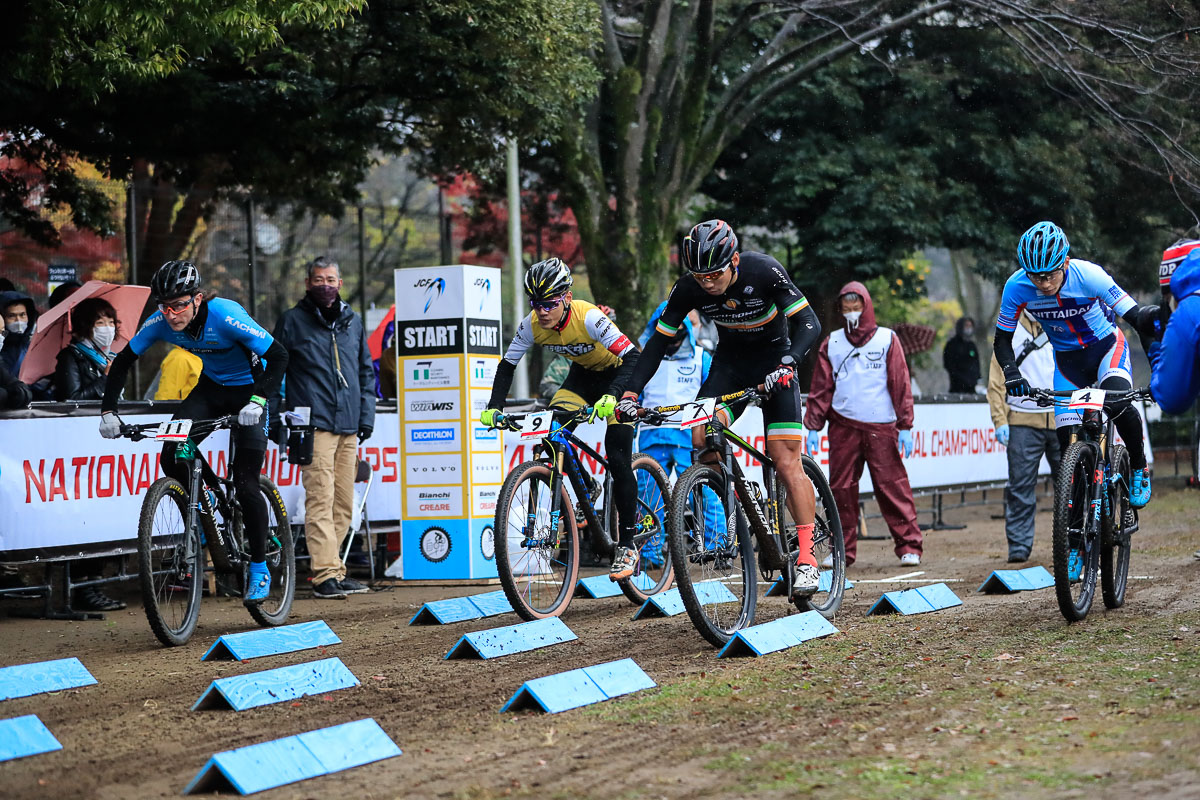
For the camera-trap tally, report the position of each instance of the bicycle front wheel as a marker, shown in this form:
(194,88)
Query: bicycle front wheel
(169,566)
(713,555)
(1076,545)
(654,573)
(281,561)
(537,543)
(1116,527)
(829,547)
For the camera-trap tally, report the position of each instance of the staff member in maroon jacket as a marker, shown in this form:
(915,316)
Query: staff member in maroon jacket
(861,386)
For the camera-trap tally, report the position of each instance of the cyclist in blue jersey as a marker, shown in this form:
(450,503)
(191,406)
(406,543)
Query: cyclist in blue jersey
(243,365)
(1073,300)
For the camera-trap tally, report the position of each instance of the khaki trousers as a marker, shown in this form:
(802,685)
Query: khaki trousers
(329,502)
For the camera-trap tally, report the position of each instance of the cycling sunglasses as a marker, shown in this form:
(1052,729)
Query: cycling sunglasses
(711,277)
(1044,277)
(546,305)
(176,307)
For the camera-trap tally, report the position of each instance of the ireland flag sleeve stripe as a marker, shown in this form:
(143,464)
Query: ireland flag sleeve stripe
(796,306)
(664,328)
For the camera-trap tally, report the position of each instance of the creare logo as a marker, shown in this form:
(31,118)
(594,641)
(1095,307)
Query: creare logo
(433,290)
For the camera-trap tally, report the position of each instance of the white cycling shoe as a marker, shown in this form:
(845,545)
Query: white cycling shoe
(806,581)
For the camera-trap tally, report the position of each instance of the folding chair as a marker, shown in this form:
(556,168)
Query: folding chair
(359,521)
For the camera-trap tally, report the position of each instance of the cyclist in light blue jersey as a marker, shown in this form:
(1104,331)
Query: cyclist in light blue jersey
(243,365)
(1075,301)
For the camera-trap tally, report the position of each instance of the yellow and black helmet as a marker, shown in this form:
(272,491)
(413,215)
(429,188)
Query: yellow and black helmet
(547,279)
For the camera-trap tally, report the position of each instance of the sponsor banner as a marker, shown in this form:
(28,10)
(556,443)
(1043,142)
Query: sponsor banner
(487,468)
(482,371)
(431,373)
(484,438)
(483,501)
(483,550)
(428,293)
(482,298)
(429,337)
(444,405)
(434,550)
(422,470)
(483,336)
(433,501)
(432,437)
(479,401)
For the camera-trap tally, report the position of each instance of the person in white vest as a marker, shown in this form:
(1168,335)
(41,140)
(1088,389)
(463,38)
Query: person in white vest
(684,367)
(1027,430)
(861,387)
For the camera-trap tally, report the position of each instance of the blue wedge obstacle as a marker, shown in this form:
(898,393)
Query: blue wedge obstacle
(921,600)
(271,641)
(23,680)
(240,692)
(824,584)
(512,639)
(580,687)
(599,586)
(1007,581)
(267,765)
(460,609)
(669,603)
(25,736)
(778,634)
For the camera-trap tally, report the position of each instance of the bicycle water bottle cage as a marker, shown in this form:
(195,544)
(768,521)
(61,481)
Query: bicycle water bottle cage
(185,451)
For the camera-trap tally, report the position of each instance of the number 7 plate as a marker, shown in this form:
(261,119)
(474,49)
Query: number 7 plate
(696,414)
(174,430)
(1086,399)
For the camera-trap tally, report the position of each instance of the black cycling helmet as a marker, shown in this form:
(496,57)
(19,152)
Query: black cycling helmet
(175,279)
(710,246)
(548,279)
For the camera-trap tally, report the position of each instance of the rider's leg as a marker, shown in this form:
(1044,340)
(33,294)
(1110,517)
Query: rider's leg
(785,452)
(618,446)
(1115,373)
(247,464)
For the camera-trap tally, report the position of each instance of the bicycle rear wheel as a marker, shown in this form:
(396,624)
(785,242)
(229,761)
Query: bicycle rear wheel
(713,554)
(1116,527)
(536,559)
(281,561)
(654,573)
(828,543)
(169,563)
(1074,531)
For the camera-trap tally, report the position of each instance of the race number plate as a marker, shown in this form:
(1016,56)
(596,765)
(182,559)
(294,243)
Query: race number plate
(536,426)
(696,414)
(1082,399)
(174,430)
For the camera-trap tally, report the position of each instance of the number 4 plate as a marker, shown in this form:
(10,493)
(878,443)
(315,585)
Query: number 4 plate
(1086,398)
(174,430)
(696,414)
(536,426)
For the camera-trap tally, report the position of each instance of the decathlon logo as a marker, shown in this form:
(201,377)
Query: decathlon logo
(242,326)
(432,435)
(434,287)
(486,434)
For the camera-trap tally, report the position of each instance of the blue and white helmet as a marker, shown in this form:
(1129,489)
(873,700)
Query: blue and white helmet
(1042,248)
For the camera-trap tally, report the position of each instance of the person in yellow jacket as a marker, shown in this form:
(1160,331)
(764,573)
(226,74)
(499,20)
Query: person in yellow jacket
(180,371)
(1027,430)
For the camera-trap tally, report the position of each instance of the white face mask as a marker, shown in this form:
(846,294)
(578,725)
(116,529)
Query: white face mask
(852,318)
(17,327)
(103,336)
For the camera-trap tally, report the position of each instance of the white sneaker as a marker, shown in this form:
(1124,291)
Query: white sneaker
(827,562)
(910,560)
(807,581)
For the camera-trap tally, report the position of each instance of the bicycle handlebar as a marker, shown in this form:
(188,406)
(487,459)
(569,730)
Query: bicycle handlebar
(508,422)
(659,414)
(138,432)
(1047,397)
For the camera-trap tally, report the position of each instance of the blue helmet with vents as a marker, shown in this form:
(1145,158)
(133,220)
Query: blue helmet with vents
(1042,248)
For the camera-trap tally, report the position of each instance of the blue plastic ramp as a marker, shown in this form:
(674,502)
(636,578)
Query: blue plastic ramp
(23,680)
(778,634)
(669,603)
(824,584)
(580,687)
(294,758)
(1007,581)
(598,586)
(25,736)
(461,609)
(271,641)
(933,597)
(512,639)
(240,692)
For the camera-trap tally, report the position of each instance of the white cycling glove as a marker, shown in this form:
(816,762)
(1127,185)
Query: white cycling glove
(627,410)
(781,376)
(110,425)
(250,415)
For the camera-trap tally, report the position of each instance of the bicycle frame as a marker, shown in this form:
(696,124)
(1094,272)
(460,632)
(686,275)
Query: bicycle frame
(561,444)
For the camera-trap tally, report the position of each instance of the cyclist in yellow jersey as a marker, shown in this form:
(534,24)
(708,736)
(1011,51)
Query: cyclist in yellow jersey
(602,359)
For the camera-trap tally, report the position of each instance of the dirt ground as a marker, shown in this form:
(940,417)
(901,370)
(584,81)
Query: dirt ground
(996,698)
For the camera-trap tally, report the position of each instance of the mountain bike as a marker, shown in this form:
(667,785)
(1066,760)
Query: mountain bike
(537,524)
(178,523)
(1093,517)
(715,564)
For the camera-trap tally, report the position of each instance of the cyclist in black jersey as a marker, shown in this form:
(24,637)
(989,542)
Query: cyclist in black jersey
(766,329)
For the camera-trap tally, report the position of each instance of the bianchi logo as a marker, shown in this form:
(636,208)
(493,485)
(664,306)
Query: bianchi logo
(487,542)
(435,545)
(577,349)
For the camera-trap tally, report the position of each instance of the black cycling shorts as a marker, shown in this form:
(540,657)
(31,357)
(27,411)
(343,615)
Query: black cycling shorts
(733,371)
(210,399)
(583,387)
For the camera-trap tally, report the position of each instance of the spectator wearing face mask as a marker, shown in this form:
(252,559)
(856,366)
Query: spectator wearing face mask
(13,393)
(20,317)
(961,357)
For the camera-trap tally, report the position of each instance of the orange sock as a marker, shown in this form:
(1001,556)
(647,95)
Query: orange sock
(805,535)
